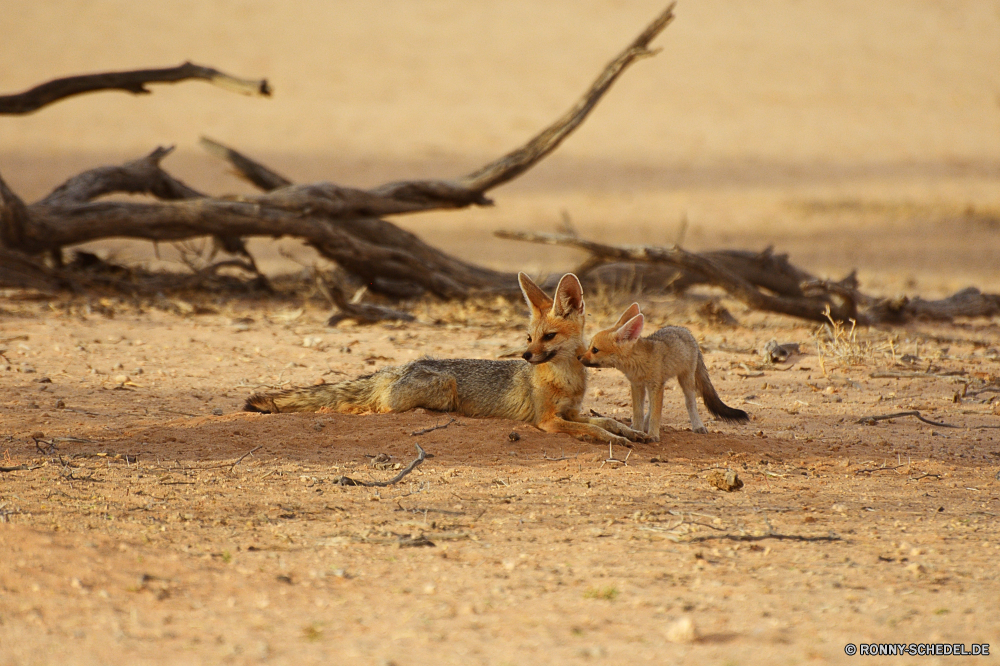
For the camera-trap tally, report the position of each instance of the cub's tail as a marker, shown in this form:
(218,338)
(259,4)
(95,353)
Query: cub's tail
(353,395)
(712,400)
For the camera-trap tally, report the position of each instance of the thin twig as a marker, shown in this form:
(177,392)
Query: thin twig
(871,420)
(751,537)
(348,481)
(233,466)
(427,430)
(18,468)
(872,470)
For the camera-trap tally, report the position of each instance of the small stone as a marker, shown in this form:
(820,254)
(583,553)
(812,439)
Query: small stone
(121,379)
(217,411)
(725,479)
(60,404)
(26,369)
(681,631)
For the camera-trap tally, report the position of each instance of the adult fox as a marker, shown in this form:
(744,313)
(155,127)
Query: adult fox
(649,362)
(546,389)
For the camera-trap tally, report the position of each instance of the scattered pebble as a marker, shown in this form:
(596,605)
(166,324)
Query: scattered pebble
(725,479)
(681,630)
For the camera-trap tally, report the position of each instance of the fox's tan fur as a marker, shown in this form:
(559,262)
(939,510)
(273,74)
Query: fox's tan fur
(545,389)
(650,362)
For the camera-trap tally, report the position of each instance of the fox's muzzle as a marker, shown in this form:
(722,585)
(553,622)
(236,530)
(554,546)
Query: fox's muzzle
(538,359)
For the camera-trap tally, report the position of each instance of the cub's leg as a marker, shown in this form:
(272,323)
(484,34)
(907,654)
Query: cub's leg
(655,393)
(688,386)
(638,407)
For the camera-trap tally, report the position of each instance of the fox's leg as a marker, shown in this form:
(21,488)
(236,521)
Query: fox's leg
(611,425)
(425,388)
(688,386)
(638,406)
(582,429)
(655,411)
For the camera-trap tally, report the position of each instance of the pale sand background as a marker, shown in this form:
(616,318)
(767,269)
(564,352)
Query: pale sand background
(885,113)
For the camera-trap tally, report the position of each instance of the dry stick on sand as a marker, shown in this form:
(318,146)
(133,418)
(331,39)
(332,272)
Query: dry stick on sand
(871,420)
(751,537)
(132,81)
(432,429)
(18,468)
(348,481)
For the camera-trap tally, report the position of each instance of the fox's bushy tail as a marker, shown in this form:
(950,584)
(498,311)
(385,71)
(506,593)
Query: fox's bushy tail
(353,395)
(712,400)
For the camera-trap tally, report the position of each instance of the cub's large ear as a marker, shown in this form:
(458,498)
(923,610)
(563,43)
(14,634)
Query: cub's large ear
(632,311)
(536,299)
(569,297)
(630,330)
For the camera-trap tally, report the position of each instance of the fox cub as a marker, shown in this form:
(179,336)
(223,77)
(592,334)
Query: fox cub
(649,362)
(546,389)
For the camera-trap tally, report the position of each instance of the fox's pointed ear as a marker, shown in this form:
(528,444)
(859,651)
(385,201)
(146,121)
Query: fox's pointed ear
(533,295)
(630,330)
(569,297)
(632,311)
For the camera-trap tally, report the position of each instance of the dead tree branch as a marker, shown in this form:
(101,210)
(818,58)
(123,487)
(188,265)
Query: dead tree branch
(132,81)
(256,173)
(743,275)
(515,163)
(342,223)
(812,308)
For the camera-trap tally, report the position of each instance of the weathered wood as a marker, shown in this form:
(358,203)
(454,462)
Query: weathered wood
(19,271)
(812,299)
(254,172)
(342,223)
(812,308)
(141,176)
(515,163)
(132,81)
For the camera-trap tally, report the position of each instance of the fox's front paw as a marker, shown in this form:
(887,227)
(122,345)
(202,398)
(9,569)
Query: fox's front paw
(637,435)
(701,431)
(620,441)
(653,437)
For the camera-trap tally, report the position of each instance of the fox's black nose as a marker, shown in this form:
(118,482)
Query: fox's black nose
(526,356)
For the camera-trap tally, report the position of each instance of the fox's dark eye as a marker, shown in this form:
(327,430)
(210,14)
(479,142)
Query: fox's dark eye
(529,339)
(548,336)
(594,350)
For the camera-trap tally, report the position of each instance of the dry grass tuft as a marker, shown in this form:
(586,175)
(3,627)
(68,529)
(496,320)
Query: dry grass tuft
(839,345)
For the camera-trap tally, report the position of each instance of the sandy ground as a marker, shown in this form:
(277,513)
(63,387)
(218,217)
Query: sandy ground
(156,523)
